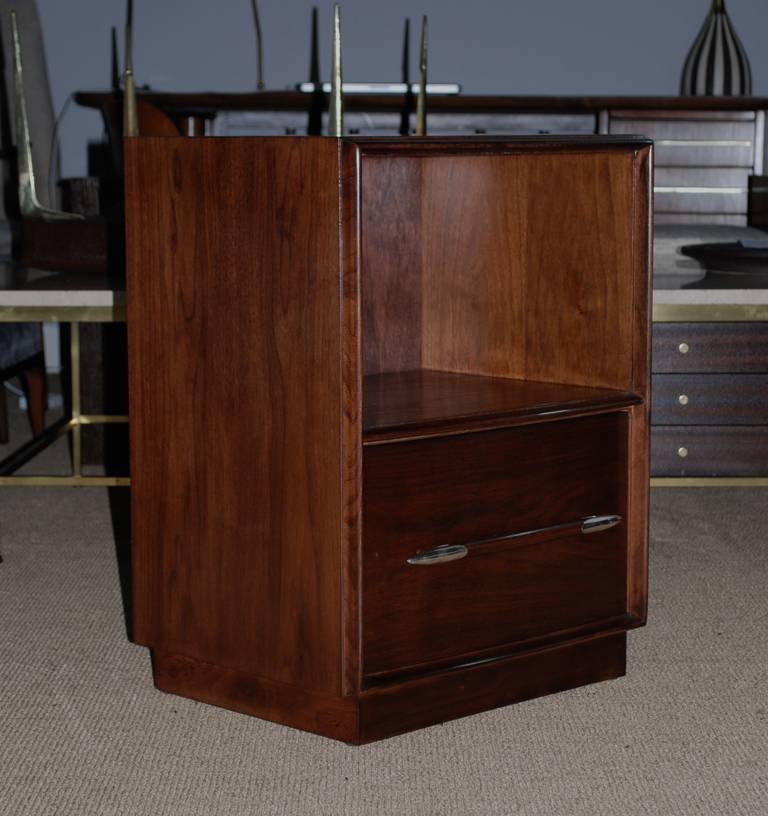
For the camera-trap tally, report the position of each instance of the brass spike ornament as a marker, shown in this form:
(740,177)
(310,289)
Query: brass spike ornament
(314,51)
(130,107)
(114,66)
(29,204)
(405,114)
(259,47)
(421,104)
(336,107)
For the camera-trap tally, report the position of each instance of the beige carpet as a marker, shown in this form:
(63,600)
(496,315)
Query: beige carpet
(83,731)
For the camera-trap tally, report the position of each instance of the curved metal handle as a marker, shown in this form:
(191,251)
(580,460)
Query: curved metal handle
(440,555)
(596,524)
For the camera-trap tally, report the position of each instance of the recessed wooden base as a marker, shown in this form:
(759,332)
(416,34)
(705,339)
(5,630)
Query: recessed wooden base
(390,710)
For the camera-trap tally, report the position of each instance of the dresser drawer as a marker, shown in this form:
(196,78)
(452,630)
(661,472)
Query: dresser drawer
(728,348)
(709,399)
(695,142)
(709,451)
(498,494)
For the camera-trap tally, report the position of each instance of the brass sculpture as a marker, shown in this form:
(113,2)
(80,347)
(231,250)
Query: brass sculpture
(114,62)
(130,106)
(29,202)
(405,116)
(259,47)
(421,104)
(336,108)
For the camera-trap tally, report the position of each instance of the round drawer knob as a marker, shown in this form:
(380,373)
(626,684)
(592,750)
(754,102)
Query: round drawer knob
(682,452)
(683,348)
(683,399)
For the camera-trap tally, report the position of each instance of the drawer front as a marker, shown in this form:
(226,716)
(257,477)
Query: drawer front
(697,190)
(694,142)
(709,399)
(709,451)
(726,348)
(480,490)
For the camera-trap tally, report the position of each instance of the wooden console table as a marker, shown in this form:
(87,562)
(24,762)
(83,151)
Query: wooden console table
(389,434)
(31,295)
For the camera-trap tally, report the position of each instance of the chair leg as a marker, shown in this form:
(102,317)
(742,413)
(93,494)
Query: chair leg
(33,380)
(4,435)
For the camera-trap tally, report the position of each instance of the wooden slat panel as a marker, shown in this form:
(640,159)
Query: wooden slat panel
(234,304)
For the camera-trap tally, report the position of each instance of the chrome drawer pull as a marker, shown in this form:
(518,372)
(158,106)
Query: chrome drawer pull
(440,555)
(596,524)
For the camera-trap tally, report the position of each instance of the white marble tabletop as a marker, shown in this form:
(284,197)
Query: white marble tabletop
(24,288)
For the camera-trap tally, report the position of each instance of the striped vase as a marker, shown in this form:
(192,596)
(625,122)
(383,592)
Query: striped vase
(717,64)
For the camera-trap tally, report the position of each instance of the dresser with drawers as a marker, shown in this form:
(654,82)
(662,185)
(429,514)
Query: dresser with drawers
(710,386)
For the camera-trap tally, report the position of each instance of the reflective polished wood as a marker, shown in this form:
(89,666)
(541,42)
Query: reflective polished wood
(347,351)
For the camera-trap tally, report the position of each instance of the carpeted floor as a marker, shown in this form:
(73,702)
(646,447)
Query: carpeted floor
(83,731)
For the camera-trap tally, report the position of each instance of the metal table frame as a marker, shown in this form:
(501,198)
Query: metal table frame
(73,423)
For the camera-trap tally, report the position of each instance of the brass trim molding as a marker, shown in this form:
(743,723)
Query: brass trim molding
(64,481)
(63,314)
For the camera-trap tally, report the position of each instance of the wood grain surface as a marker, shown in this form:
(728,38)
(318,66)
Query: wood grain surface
(470,489)
(290,299)
(414,403)
(387,711)
(483,277)
(233,310)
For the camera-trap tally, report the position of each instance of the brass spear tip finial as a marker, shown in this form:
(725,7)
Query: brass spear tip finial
(314,53)
(406,67)
(421,105)
(259,47)
(114,62)
(336,108)
(130,105)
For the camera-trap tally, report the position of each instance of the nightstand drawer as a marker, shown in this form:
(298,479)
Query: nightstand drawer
(709,451)
(728,348)
(497,495)
(709,399)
